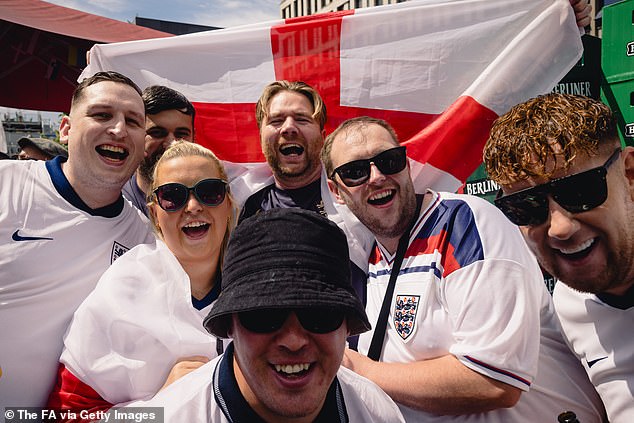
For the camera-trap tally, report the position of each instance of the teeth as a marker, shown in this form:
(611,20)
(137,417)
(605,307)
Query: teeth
(578,248)
(380,195)
(291,145)
(195,224)
(112,148)
(291,368)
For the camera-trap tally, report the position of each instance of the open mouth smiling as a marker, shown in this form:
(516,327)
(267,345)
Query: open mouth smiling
(195,229)
(291,149)
(381,197)
(112,152)
(578,252)
(292,370)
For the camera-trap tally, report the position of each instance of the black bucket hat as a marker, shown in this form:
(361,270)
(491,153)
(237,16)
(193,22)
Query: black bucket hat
(286,258)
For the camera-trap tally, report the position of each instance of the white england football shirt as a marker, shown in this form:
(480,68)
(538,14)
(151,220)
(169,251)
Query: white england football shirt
(53,249)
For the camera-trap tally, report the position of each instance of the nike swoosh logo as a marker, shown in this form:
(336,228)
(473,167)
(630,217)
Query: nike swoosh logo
(593,362)
(17,237)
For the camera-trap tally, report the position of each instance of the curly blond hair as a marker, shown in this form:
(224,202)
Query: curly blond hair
(525,142)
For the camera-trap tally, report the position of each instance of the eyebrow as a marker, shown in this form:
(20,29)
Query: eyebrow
(294,113)
(108,107)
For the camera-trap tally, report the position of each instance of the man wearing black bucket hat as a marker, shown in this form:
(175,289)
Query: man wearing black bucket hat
(288,305)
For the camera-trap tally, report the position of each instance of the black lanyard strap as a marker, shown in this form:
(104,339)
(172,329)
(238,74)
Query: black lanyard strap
(376,346)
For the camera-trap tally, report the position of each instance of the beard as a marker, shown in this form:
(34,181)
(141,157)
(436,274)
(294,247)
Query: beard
(310,160)
(379,225)
(146,167)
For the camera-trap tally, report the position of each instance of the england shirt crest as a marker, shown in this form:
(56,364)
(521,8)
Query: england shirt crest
(117,251)
(405,309)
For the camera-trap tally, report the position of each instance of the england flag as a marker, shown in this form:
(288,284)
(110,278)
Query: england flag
(440,71)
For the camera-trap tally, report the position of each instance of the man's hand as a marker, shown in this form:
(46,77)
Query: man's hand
(184,366)
(582,10)
(356,362)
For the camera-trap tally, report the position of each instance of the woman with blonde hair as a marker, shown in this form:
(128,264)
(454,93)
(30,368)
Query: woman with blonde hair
(141,328)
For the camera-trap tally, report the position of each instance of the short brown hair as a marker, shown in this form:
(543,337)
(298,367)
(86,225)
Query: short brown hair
(347,125)
(101,77)
(271,90)
(526,141)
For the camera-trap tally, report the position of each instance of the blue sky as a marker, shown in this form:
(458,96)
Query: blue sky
(220,13)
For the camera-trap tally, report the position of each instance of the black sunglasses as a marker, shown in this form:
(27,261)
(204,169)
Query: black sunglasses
(316,320)
(576,193)
(357,172)
(173,196)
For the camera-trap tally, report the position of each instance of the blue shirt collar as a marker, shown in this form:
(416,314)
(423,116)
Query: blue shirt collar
(64,188)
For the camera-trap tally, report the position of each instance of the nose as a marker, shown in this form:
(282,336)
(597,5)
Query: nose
(192,203)
(562,223)
(289,127)
(118,128)
(376,176)
(169,140)
(292,336)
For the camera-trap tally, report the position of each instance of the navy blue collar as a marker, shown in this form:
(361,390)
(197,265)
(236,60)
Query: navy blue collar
(236,409)
(622,302)
(211,295)
(64,188)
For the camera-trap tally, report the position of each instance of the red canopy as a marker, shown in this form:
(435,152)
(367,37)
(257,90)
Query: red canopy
(43,49)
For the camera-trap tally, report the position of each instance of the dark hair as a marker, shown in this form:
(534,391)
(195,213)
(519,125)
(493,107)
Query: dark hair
(158,98)
(271,90)
(101,77)
(526,140)
(349,124)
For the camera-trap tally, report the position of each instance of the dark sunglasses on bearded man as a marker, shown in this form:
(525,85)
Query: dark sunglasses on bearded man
(576,193)
(357,172)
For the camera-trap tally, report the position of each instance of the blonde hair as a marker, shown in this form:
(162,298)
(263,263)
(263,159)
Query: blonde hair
(183,148)
(274,88)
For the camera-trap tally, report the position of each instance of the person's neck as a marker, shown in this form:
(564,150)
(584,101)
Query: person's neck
(621,290)
(92,195)
(389,243)
(202,276)
(296,182)
(142,182)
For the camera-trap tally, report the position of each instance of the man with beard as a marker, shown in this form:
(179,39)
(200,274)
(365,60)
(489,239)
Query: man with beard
(169,116)
(466,324)
(291,118)
(569,185)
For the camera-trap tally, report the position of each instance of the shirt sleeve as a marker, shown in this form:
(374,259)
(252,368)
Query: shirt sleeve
(495,308)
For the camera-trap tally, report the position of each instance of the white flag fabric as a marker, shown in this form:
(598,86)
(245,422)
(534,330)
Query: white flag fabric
(440,71)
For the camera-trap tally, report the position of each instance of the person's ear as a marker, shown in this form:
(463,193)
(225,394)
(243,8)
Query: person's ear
(334,188)
(153,218)
(628,166)
(229,323)
(64,129)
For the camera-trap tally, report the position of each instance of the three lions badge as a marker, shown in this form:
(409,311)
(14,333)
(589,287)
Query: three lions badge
(404,314)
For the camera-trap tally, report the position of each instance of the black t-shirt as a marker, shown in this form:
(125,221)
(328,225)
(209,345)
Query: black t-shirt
(272,197)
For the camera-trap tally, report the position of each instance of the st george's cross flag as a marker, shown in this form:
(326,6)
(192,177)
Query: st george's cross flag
(440,71)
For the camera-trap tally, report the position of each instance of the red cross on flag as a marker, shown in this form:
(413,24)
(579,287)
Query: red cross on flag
(440,71)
